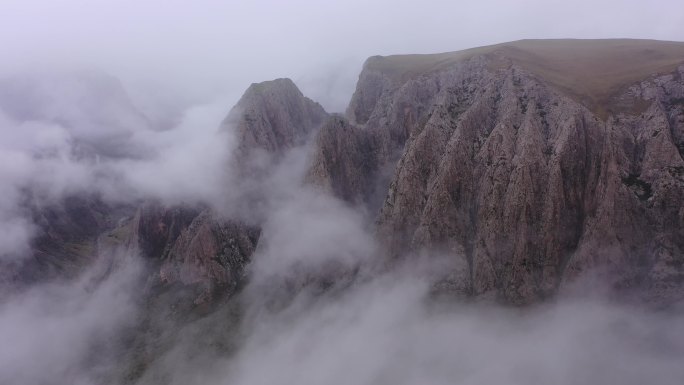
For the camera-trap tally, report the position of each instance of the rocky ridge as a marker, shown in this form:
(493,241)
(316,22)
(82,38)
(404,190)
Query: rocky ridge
(527,164)
(525,184)
(204,249)
(188,247)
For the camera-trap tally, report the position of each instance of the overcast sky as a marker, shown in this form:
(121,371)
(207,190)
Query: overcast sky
(203,47)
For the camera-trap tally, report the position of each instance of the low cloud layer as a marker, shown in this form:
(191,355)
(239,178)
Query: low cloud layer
(71,133)
(125,100)
(68,332)
(389,331)
(386,332)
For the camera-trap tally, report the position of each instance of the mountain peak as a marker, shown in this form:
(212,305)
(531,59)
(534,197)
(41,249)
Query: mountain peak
(273,116)
(282,84)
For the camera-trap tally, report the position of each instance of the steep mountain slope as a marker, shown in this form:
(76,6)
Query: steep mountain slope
(508,173)
(271,117)
(198,247)
(192,247)
(528,163)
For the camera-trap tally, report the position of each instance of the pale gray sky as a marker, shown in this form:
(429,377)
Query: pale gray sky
(206,46)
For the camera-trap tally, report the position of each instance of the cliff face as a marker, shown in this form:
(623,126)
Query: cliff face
(528,164)
(187,246)
(195,246)
(526,175)
(191,247)
(273,116)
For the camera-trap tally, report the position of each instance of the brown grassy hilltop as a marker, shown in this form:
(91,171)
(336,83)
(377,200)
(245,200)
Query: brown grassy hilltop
(591,71)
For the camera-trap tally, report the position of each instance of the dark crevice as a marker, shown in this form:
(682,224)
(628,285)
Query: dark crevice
(641,189)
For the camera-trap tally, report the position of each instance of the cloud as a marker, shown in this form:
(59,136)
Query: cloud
(72,134)
(68,332)
(390,330)
(302,228)
(214,47)
(189,162)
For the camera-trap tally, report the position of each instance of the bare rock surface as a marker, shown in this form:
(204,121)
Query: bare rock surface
(188,246)
(530,165)
(526,168)
(273,116)
(191,247)
(194,245)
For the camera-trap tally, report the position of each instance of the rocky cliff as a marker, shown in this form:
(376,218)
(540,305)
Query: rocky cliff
(191,247)
(272,117)
(196,246)
(528,163)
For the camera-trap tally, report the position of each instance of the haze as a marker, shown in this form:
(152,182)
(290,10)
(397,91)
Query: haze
(219,47)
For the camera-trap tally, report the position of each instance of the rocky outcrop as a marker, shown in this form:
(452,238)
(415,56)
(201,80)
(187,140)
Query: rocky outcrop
(187,246)
(191,246)
(346,161)
(355,155)
(528,164)
(272,117)
(196,247)
(526,179)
